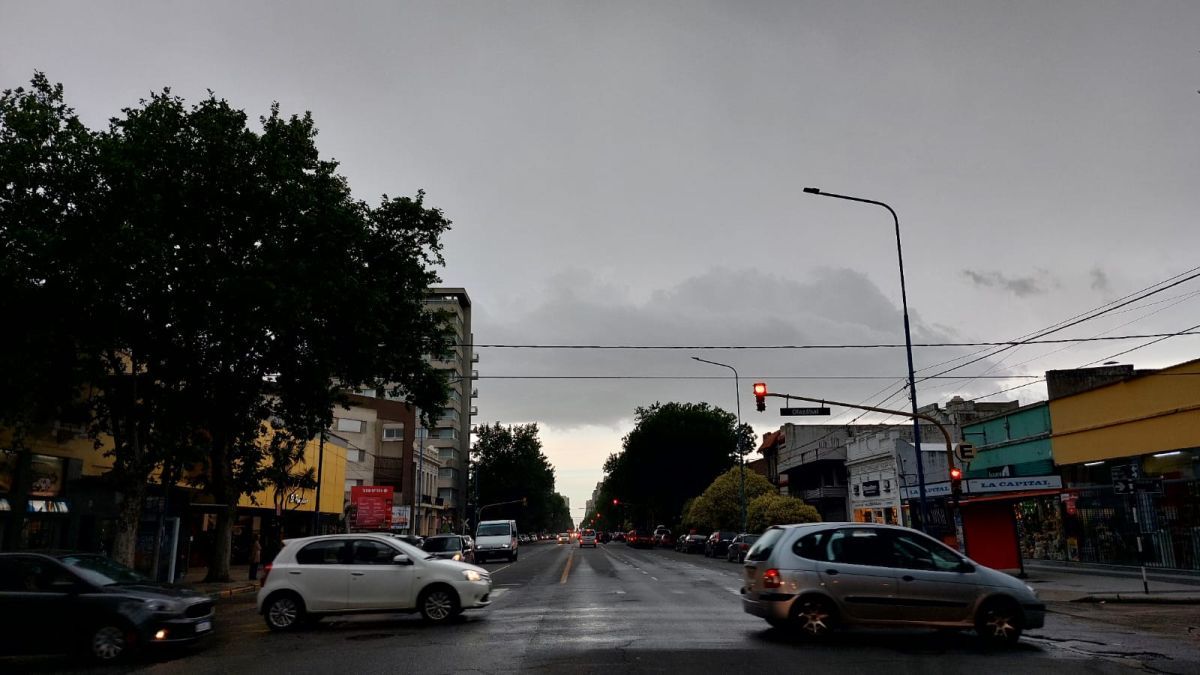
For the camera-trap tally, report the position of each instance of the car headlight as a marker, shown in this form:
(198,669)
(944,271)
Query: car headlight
(457,556)
(503,545)
(161,606)
(472,575)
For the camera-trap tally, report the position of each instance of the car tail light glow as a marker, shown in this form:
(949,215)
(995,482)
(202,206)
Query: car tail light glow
(771,579)
(266,571)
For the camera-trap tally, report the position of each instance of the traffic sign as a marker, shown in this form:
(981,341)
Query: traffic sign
(1123,487)
(1153,486)
(795,412)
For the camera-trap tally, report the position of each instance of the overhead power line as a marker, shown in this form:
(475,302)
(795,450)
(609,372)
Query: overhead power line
(1006,343)
(725,378)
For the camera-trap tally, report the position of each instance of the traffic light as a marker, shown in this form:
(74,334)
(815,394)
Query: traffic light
(760,395)
(616,502)
(956,482)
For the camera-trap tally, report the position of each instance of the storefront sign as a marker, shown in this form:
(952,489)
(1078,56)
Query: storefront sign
(931,490)
(870,488)
(372,507)
(982,485)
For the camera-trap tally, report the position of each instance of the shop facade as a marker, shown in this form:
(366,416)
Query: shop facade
(1129,454)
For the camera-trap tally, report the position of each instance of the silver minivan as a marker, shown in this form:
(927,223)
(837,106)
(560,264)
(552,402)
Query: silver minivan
(818,576)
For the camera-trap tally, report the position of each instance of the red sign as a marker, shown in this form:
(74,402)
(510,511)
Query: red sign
(372,507)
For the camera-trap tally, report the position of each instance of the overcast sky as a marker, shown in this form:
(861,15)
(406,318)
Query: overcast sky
(629,174)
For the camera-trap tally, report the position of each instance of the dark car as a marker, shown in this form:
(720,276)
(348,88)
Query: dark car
(619,536)
(60,602)
(450,547)
(739,546)
(693,543)
(718,543)
(639,539)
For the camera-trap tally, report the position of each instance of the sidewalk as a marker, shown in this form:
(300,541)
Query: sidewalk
(1063,583)
(239,582)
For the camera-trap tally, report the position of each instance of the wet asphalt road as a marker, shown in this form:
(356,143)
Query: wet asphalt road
(614,610)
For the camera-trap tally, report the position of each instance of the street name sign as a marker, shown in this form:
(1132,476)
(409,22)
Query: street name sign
(796,412)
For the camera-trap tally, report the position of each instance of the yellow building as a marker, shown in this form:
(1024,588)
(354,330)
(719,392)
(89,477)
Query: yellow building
(68,504)
(1128,445)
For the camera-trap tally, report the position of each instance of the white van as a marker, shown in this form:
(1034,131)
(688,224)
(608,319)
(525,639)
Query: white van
(496,539)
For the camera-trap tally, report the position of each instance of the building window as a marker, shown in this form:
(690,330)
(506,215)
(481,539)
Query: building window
(357,455)
(349,425)
(393,433)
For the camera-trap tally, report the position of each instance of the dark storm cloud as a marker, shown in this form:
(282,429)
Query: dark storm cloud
(725,307)
(1100,280)
(1019,286)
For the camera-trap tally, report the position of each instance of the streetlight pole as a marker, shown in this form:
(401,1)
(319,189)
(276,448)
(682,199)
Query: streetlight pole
(912,380)
(737,397)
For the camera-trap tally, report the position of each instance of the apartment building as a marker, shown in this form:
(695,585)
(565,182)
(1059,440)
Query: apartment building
(449,441)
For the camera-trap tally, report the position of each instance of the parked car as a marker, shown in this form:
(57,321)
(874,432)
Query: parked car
(587,538)
(818,576)
(411,539)
(325,575)
(739,546)
(694,543)
(58,602)
(718,543)
(497,538)
(639,539)
(618,536)
(564,537)
(450,547)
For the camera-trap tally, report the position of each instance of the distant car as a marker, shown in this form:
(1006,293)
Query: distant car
(618,536)
(739,546)
(65,602)
(450,547)
(497,538)
(410,538)
(718,543)
(815,577)
(587,538)
(333,574)
(639,539)
(694,543)
(666,540)
(564,537)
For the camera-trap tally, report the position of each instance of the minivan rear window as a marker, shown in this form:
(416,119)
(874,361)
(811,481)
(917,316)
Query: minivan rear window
(765,545)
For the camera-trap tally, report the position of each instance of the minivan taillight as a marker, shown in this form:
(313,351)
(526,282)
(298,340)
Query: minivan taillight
(771,579)
(266,571)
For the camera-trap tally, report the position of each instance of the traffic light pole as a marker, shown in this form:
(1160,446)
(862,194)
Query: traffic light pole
(915,416)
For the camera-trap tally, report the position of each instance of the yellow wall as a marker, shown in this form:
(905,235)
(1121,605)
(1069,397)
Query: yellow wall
(96,463)
(1152,413)
(333,481)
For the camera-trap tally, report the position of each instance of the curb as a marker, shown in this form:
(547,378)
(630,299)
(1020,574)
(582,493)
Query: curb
(1140,598)
(230,592)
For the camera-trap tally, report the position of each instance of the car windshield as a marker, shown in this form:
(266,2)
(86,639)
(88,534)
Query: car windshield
(102,571)
(493,530)
(440,544)
(751,538)
(589,533)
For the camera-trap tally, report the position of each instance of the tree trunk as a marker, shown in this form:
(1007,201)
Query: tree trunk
(218,566)
(129,514)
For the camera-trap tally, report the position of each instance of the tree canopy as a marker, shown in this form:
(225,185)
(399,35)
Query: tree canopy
(776,509)
(510,466)
(719,507)
(673,453)
(221,279)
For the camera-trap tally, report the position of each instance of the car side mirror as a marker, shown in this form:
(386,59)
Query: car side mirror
(402,559)
(965,567)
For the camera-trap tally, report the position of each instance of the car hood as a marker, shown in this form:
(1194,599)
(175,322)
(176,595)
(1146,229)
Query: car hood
(991,577)
(441,563)
(150,591)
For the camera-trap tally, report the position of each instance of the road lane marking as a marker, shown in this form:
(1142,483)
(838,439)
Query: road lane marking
(567,567)
(654,578)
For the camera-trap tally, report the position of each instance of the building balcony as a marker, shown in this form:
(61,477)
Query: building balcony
(474,393)
(474,411)
(827,492)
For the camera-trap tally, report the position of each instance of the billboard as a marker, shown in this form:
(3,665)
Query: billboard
(372,507)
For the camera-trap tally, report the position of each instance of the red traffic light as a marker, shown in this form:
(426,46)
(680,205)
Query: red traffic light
(956,473)
(760,395)
(616,502)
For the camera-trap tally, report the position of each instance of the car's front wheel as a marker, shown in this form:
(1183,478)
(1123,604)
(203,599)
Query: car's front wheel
(999,623)
(438,604)
(284,612)
(110,642)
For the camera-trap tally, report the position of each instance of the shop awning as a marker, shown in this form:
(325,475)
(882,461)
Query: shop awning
(1013,496)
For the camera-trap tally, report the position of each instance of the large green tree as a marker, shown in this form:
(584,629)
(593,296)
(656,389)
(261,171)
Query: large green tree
(510,466)
(673,453)
(719,507)
(228,278)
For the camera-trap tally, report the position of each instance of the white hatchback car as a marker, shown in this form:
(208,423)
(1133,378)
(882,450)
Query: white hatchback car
(326,575)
